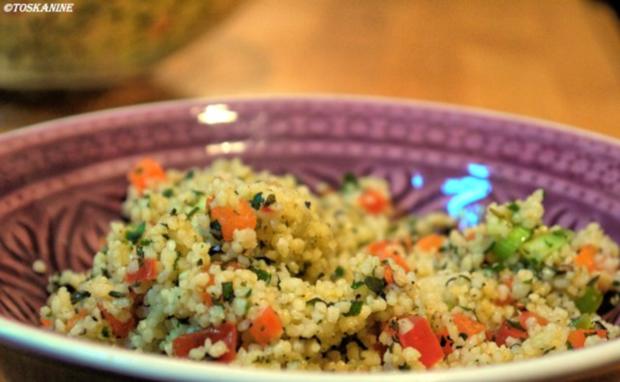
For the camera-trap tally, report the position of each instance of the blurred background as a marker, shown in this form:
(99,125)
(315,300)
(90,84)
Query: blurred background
(554,59)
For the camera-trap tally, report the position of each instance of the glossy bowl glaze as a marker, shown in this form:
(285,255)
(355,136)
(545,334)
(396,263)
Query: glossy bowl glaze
(61,182)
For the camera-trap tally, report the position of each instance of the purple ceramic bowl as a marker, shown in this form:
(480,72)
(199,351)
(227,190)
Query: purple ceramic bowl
(62,182)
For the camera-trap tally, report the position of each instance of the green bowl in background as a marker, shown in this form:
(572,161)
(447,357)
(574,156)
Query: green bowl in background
(99,43)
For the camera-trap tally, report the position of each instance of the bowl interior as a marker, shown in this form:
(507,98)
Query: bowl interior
(63,182)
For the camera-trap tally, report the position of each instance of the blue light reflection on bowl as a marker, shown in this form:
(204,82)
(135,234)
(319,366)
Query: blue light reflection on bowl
(466,193)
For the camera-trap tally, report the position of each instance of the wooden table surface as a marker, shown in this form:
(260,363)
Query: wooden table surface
(554,59)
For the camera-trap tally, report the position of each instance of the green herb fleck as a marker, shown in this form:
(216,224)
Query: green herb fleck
(514,207)
(192,212)
(78,296)
(189,175)
(308,204)
(356,308)
(515,324)
(227,291)
(271,199)
(145,242)
(314,300)
(216,229)
(338,273)
(136,233)
(105,333)
(168,192)
(116,294)
(262,275)
(375,284)
(257,201)
(357,284)
(215,249)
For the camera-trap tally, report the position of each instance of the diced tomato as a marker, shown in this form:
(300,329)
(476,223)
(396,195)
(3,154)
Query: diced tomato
(147,272)
(507,330)
(145,172)
(422,338)
(226,332)
(373,201)
(120,329)
(430,243)
(577,338)
(445,342)
(388,274)
(525,316)
(267,327)
(585,257)
(231,220)
(467,325)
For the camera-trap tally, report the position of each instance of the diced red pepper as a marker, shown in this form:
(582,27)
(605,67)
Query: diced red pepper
(577,338)
(183,344)
(422,338)
(120,329)
(507,330)
(231,220)
(467,325)
(445,342)
(148,271)
(267,327)
(144,172)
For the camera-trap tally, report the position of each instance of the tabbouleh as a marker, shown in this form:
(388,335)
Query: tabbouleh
(231,265)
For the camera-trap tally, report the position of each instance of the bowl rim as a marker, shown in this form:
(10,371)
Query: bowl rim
(136,364)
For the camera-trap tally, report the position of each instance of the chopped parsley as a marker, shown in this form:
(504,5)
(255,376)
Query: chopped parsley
(271,199)
(116,294)
(257,201)
(314,300)
(216,229)
(136,233)
(168,192)
(78,296)
(338,273)
(357,284)
(215,249)
(227,291)
(262,275)
(356,308)
(375,284)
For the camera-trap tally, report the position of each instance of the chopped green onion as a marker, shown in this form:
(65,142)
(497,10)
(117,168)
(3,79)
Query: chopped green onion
(356,308)
(505,248)
(540,247)
(374,284)
(590,300)
(136,233)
